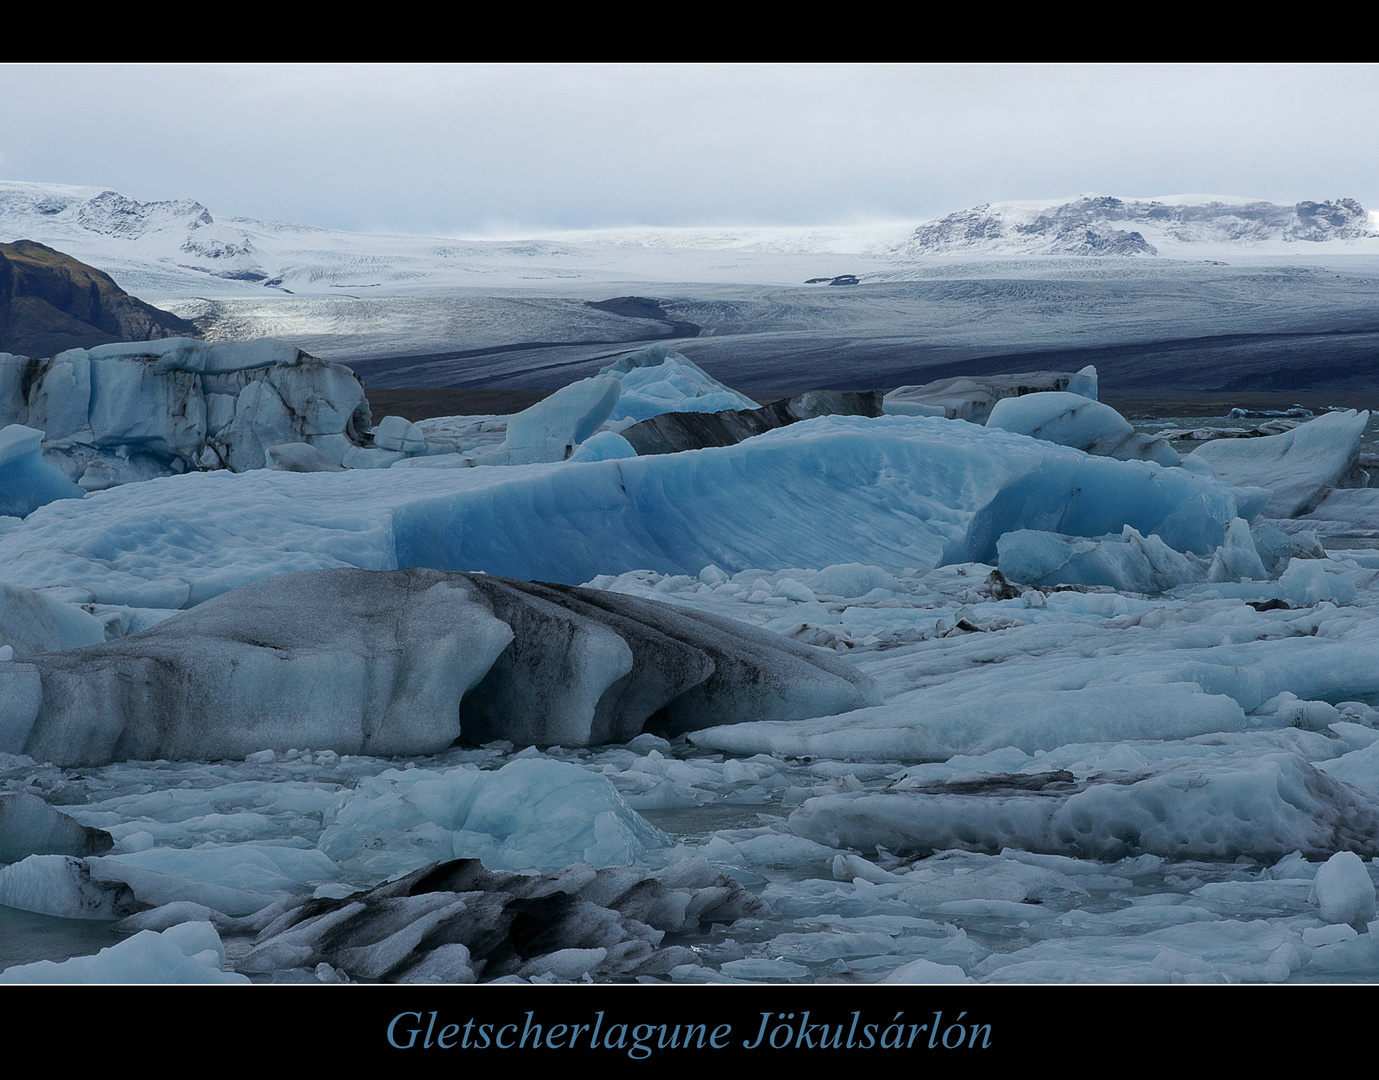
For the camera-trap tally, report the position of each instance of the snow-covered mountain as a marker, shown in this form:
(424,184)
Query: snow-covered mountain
(1103,225)
(181,248)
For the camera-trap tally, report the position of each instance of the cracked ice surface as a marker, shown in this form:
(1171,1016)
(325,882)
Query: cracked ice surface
(1002,884)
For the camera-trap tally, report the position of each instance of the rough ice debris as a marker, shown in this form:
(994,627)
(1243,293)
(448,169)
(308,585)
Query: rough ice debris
(130,411)
(1128,563)
(532,814)
(608,922)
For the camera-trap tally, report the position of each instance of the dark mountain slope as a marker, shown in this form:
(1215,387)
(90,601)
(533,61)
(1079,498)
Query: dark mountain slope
(50,302)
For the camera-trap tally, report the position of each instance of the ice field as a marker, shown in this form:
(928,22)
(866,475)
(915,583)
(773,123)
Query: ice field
(1103,720)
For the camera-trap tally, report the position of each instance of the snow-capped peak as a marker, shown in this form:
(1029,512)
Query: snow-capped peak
(1106,225)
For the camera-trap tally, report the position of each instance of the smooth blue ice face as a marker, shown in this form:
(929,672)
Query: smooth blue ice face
(26,480)
(892,492)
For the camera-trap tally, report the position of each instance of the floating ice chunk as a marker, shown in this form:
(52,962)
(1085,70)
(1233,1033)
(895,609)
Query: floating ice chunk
(301,457)
(604,446)
(1275,547)
(657,380)
(1307,581)
(853,579)
(897,404)
(893,492)
(929,725)
(408,661)
(973,397)
(189,953)
(1084,383)
(554,426)
(1343,890)
(29,826)
(1298,466)
(1128,563)
(32,623)
(1070,419)
(1237,558)
(1358,768)
(344,662)
(264,871)
(1218,807)
(62,885)
(399,433)
(27,481)
(1319,936)
(530,814)
(125,411)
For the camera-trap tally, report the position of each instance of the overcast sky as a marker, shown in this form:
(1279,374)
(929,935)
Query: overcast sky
(469,150)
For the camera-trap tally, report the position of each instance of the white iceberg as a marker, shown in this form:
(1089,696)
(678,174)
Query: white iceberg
(1299,467)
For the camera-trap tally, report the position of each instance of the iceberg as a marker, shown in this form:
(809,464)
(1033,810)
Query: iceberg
(408,662)
(657,380)
(132,410)
(1299,467)
(972,397)
(1069,419)
(893,492)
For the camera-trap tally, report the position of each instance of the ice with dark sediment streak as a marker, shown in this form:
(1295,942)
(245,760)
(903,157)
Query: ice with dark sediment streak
(132,410)
(972,397)
(459,922)
(407,662)
(1212,806)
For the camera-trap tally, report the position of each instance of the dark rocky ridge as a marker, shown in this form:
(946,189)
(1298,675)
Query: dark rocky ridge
(50,302)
